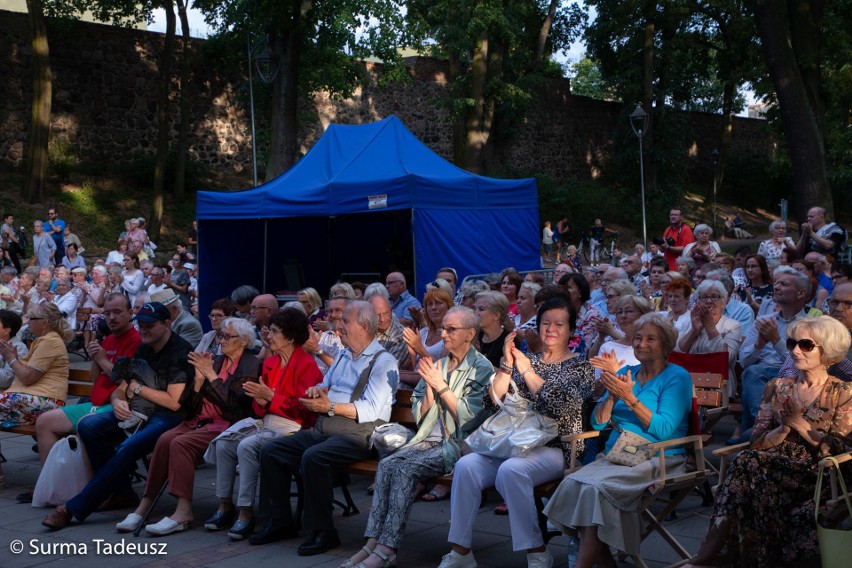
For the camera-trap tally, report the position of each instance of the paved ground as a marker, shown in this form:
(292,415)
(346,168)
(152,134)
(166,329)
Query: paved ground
(96,540)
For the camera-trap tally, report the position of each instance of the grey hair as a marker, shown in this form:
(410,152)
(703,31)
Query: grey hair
(495,302)
(100,269)
(55,320)
(533,287)
(775,224)
(690,264)
(376,289)
(621,274)
(296,305)
(146,262)
(664,324)
(469,318)
(242,328)
(10,270)
(723,277)
(366,316)
(710,285)
(473,287)
(342,289)
(313,297)
(802,281)
(703,227)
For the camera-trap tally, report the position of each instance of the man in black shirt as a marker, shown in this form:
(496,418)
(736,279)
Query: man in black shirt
(111,452)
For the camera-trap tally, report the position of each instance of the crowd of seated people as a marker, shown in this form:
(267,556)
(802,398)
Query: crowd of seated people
(288,393)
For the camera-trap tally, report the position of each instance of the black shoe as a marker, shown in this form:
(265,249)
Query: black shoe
(25,497)
(320,542)
(241,530)
(272,531)
(221,520)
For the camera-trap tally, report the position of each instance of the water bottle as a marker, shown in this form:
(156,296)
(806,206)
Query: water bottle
(573,551)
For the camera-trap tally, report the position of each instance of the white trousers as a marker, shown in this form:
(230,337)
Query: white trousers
(515,479)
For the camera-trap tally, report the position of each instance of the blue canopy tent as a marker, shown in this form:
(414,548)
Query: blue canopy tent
(365,198)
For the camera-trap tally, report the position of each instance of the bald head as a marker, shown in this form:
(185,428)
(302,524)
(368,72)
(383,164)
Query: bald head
(382,307)
(632,265)
(840,304)
(396,285)
(262,309)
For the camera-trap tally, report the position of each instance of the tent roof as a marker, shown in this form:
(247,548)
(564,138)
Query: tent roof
(351,162)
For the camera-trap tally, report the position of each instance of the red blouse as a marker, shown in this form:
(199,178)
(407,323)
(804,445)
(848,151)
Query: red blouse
(289,385)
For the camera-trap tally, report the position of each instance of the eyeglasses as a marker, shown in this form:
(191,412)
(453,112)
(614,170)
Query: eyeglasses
(34,319)
(216,316)
(806,345)
(713,298)
(626,312)
(226,336)
(842,304)
(389,282)
(449,330)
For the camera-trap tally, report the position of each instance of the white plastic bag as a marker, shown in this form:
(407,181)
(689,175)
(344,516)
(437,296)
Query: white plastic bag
(65,473)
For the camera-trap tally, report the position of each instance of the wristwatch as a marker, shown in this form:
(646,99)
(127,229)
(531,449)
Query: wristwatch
(320,353)
(137,390)
(331,410)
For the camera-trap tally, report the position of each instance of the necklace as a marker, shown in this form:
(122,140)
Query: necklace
(810,396)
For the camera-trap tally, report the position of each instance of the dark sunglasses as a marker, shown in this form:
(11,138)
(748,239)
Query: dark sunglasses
(806,345)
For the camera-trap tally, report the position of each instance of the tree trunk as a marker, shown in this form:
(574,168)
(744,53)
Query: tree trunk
(185,101)
(163,121)
(37,157)
(728,92)
(543,34)
(459,132)
(800,121)
(806,17)
(285,95)
(476,135)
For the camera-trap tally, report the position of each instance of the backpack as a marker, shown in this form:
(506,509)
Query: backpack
(21,247)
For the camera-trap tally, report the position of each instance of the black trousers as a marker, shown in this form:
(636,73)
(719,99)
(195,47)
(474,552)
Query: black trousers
(314,456)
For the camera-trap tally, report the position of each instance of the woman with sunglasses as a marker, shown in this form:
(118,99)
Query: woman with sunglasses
(215,401)
(287,374)
(219,310)
(764,506)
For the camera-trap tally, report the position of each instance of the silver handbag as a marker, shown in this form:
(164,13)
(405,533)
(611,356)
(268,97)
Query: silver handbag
(630,449)
(514,430)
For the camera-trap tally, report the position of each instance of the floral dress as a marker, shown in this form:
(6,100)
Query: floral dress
(767,495)
(566,396)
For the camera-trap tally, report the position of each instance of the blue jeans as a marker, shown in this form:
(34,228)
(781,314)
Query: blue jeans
(113,465)
(755,378)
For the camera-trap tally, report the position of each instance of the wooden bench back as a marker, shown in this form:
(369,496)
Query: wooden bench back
(709,389)
(401,409)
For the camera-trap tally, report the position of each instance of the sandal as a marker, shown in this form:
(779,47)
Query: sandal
(501,509)
(351,564)
(387,561)
(433,495)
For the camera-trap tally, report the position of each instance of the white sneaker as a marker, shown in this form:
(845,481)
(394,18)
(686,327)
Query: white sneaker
(456,560)
(539,559)
(129,523)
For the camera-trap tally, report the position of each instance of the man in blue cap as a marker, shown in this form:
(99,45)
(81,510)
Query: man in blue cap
(112,453)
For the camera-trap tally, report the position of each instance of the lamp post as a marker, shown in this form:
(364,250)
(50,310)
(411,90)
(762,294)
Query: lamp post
(264,63)
(715,156)
(639,122)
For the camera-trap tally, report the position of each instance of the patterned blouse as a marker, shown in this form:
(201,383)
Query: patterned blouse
(830,413)
(567,389)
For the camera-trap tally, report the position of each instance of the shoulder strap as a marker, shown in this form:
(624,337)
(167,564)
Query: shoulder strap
(365,377)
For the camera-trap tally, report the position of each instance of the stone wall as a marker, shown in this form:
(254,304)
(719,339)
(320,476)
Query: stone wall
(105,82)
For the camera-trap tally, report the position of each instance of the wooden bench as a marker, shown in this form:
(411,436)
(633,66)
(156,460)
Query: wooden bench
(80,384)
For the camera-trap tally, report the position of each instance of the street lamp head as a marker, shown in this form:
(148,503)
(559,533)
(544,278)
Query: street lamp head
(639,121)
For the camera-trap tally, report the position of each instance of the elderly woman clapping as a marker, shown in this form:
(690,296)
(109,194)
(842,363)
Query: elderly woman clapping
(447,404)
(651,399)
(41,376)
(775,245)
(286,375)
(558,383)
(764,509)
(703,250)
(215,401)
(710,330)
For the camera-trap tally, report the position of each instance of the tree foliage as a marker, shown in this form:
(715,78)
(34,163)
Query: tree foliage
(498,51)
(315,45)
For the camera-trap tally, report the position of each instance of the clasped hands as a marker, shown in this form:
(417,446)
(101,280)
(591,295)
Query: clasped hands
(316,400)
